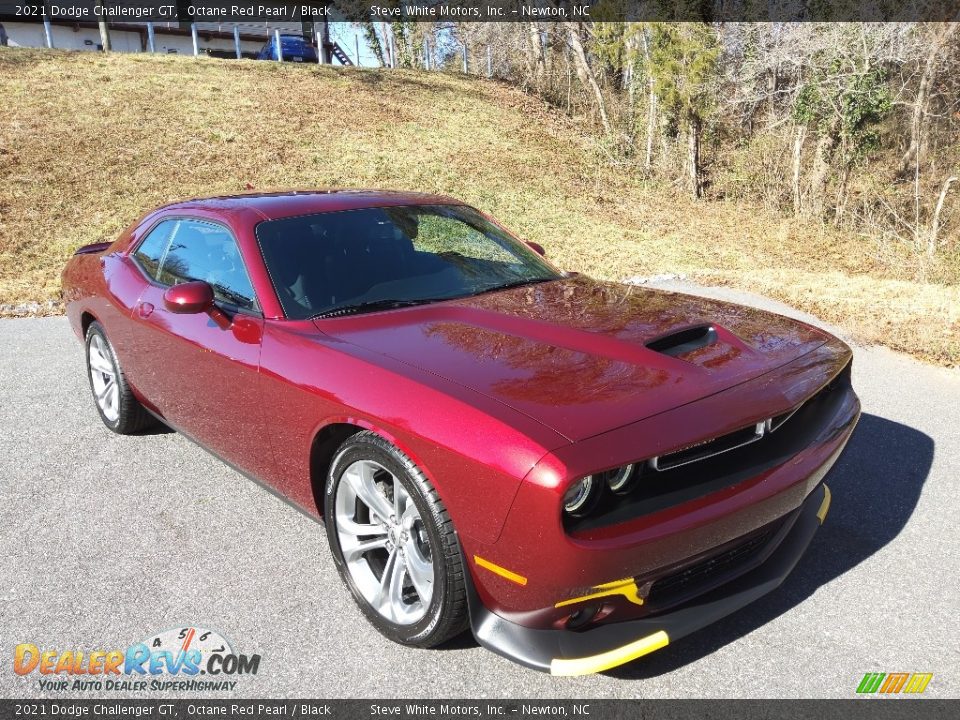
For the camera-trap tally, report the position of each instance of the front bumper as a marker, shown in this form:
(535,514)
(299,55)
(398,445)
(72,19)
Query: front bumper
(566,652)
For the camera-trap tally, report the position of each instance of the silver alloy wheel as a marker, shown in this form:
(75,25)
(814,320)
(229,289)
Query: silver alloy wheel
(384,543)
(103,378)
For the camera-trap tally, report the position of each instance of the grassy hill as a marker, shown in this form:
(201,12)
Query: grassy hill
(89,142)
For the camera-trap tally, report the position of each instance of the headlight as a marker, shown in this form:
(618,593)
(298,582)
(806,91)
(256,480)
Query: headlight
(578,500)
(619,479)
(583,496)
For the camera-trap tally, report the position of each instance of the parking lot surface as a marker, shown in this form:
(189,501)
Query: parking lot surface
(108,540)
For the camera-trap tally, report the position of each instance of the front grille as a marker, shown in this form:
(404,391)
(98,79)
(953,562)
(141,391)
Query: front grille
(738,438)
(722,444)
(712,571)
(724,461)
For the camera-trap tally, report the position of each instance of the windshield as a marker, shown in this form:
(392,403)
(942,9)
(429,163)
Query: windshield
(375,258)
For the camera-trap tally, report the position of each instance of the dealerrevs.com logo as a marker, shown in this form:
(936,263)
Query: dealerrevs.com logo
(187,659)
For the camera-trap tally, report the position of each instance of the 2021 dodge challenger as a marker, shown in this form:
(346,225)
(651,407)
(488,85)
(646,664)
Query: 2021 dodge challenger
(579,471)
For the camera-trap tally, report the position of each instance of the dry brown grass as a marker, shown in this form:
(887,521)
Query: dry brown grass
(88,142)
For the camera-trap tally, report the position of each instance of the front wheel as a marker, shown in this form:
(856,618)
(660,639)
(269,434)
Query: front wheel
(394,543)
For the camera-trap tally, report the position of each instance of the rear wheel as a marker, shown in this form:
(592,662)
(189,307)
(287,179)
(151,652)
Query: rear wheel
(116,404)
(394,543)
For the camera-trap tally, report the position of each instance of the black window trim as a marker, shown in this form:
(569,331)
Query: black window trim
(230,307)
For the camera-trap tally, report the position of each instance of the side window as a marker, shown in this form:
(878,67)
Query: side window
(197,250)
(151,250)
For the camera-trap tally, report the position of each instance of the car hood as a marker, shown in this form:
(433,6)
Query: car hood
(581,356)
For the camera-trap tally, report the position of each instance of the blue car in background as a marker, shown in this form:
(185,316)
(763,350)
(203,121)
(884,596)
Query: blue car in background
(293,47)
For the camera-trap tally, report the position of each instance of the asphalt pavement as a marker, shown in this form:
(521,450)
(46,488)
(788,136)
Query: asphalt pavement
(106,540)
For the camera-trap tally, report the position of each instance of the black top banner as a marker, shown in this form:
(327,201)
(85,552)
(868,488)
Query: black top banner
(547,11)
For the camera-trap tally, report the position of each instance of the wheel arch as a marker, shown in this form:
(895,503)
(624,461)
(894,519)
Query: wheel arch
(322,449)
(87,318)
(332,434)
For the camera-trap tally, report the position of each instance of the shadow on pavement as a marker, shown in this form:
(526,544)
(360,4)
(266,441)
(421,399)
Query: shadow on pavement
(157,428)
(876,484)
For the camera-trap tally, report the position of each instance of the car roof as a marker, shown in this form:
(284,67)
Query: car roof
(292,203)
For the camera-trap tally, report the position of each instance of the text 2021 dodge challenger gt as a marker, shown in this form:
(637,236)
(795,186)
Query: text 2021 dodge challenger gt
(579,471)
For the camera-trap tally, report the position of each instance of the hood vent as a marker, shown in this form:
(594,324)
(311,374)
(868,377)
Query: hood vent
(684,341)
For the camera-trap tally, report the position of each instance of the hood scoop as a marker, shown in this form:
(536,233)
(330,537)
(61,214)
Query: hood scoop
(684,341)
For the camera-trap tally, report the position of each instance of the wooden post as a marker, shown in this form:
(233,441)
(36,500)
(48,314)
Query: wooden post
(356,41)
(47,31)
(489,62)
(465,67)
(327,48)
(151,38)
(276,39)
(196,39)
(104,30)
(236,42)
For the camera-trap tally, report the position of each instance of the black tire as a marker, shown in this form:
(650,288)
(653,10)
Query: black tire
(132,417)
(446,616)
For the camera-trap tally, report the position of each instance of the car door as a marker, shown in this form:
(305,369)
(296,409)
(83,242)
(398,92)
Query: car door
(201,370)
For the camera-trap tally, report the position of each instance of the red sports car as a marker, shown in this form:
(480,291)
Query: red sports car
(579,471)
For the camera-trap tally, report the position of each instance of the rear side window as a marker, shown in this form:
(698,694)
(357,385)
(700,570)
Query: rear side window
(183,250)
(151,250)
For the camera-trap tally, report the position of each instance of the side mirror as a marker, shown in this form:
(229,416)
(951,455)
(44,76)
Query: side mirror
(536,247)
(189,298)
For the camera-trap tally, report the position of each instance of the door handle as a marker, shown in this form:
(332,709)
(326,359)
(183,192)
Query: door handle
(144,309)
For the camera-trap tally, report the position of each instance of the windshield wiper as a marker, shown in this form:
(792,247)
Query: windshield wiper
(516,283)
(390,304)
(373,305)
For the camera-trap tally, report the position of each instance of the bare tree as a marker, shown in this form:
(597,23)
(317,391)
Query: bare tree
(935,225)
(651,99)
(799,114)
(537,56)
(943,35)
(585,72)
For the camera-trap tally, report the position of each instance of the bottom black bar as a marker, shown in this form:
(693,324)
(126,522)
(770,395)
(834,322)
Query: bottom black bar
(873,708)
